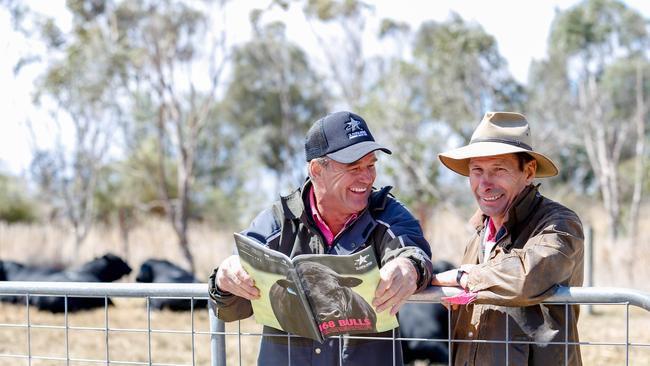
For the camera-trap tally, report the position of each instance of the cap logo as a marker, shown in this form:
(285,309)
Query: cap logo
(354,129)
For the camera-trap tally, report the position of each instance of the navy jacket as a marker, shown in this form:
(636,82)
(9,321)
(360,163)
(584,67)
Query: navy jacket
(288,227)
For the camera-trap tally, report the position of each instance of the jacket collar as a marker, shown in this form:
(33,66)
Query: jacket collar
(295,208)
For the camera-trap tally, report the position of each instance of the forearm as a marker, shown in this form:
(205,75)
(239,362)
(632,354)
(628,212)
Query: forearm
(522,277)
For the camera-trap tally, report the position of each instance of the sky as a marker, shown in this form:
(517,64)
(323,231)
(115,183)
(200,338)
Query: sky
(520,28)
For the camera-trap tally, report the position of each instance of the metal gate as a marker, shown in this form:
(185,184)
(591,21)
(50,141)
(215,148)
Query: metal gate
(215,337)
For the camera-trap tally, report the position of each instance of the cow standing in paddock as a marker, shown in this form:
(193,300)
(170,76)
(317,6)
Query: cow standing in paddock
(330,293)
(164,271)
(426,321)
(106,268)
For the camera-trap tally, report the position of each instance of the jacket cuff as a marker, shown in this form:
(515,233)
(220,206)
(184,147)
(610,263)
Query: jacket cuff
(215,293)
(424,268)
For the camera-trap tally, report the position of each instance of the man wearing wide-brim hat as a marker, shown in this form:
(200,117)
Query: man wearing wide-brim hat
(525,245)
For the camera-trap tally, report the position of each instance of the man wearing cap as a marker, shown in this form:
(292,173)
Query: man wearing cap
(337,211)
(524,247)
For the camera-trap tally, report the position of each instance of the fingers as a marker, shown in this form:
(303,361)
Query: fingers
(232,277)
(397,283)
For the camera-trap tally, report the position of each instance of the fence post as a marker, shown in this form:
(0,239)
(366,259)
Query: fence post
(217,337)
(589,262)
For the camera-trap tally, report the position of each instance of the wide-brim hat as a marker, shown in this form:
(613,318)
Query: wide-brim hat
(498,133)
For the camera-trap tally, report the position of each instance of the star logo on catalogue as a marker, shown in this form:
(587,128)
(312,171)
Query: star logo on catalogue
(359,262)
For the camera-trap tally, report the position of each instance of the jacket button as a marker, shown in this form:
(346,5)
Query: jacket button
(317,350)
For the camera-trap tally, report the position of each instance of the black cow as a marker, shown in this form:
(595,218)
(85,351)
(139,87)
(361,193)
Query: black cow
(425,320)
(15,271)
(163,271)
(330,293)
(106,268)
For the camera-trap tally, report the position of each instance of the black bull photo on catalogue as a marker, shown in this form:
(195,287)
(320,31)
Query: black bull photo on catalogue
(333,296)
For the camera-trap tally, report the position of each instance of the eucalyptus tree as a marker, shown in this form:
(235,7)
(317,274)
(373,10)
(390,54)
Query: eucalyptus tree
(597,67)
(432,92)
(273,98)
(77,89)
(150,69)
(176,54)
(463,75)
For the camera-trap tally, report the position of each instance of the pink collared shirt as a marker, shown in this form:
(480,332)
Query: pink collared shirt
(489,240)
(320,223)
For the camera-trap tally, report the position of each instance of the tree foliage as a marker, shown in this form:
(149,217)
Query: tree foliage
(590,46)
(169,118)
(275,93)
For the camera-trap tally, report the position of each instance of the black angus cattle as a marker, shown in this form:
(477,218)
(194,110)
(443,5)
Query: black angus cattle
(163,271)
(14,271)
(328,292)
(428,321)
(106,268)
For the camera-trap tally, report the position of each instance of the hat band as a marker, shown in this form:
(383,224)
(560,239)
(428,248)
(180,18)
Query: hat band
(504,141)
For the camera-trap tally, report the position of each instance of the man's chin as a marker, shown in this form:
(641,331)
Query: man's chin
(491,211)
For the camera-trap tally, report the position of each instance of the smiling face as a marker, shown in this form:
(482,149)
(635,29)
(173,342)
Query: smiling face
(496,181)
(342,189)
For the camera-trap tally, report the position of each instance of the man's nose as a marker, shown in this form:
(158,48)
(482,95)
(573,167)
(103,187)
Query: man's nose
(366,175)
(485,182)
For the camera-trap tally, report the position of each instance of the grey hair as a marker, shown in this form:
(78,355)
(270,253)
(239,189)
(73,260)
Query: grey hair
(322,161)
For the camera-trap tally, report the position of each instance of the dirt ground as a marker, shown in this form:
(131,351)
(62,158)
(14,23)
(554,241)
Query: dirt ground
(604,333)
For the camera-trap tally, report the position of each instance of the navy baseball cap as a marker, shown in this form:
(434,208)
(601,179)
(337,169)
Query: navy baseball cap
(341,136)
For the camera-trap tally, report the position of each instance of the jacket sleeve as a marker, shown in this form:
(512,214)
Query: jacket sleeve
(264,229)
(528,275)
(404,238)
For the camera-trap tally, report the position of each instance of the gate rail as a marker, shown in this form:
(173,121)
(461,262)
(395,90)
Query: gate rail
(563,295)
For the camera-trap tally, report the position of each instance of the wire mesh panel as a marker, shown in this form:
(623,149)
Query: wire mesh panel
(615,334)
(127,329)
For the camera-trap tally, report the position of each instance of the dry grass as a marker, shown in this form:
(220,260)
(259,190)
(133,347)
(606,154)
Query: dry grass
(608,326)
(54,245)
(155,239)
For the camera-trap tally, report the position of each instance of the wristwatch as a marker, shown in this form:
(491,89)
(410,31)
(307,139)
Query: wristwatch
(459,275)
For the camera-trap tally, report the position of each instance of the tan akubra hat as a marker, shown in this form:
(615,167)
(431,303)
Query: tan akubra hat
(498,133)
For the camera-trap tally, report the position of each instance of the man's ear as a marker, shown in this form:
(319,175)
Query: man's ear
(315,169)
(530,170)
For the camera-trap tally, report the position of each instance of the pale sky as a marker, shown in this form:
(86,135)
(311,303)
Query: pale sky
(520,27)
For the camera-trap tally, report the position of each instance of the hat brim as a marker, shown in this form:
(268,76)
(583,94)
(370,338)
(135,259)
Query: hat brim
(458,159)
(355,152)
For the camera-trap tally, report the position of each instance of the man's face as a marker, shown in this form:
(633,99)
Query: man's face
(496,181)
(343,189)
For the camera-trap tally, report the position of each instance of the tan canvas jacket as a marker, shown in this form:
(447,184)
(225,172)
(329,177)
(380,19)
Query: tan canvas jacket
(542,247)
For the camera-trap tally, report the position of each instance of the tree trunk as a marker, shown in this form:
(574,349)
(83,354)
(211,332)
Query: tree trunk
(639,160)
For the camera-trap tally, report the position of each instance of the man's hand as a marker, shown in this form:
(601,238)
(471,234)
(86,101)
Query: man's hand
(231,277)
(398,280)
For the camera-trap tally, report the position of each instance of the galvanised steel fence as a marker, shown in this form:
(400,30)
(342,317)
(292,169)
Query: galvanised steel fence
(217,334)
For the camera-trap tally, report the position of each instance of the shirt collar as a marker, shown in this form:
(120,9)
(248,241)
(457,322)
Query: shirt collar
(320,223)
